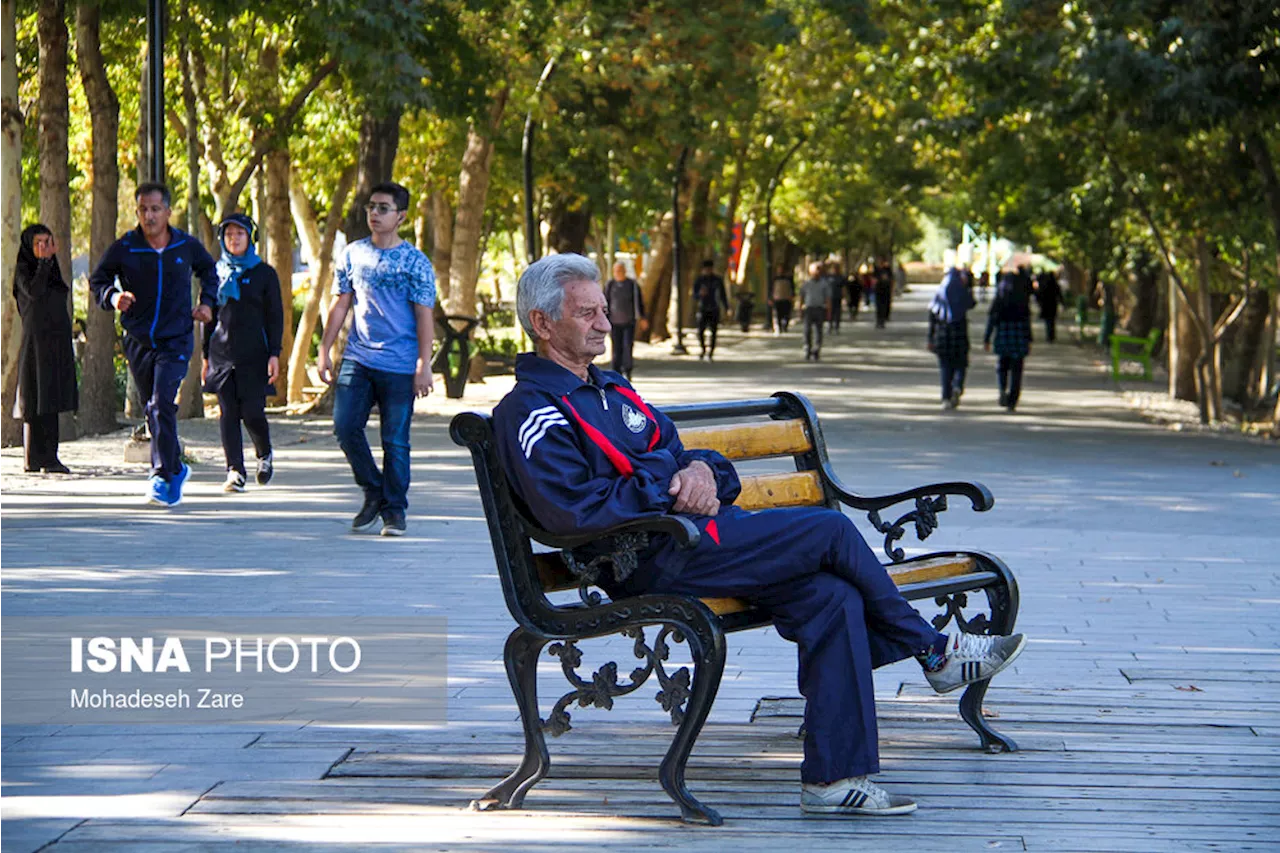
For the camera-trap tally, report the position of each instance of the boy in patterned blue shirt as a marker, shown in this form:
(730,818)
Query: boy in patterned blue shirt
(392,289)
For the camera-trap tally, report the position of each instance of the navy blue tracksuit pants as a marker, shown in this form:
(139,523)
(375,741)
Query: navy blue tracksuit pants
(158,372)
(827,593)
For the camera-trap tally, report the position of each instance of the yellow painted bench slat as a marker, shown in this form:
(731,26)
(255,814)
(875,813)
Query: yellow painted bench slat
(750,441)
(794,488)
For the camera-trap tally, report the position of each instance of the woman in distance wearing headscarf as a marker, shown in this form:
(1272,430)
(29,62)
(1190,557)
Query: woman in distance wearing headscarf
(949,334)
(46,363)
(242,349)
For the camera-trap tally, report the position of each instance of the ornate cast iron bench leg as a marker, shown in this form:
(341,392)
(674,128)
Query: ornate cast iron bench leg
(1004,611)
(708,658)
(521,656)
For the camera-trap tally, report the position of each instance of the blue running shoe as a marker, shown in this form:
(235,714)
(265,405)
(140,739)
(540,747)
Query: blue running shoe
(176,483)
(158,490)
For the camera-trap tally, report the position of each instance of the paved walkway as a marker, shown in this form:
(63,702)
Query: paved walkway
(1148,702)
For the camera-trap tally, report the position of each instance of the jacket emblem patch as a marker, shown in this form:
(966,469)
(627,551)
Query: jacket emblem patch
(633,419)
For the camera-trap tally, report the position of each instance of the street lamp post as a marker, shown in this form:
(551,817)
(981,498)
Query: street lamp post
(677,249)
(155,85)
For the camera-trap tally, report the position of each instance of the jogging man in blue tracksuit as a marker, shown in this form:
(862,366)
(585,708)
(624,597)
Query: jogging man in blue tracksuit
(146,276)
(585,452)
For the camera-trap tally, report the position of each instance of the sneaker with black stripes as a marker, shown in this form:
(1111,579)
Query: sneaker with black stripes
(974,657)
(856,795)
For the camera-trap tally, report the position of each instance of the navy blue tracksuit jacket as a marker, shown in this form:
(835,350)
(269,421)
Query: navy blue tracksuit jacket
(590,455)
(161,281)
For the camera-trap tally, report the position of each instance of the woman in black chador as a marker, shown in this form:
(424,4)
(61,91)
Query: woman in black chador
(46,364)
(242,348)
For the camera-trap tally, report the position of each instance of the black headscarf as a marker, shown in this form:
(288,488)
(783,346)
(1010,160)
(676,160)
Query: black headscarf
(27,260)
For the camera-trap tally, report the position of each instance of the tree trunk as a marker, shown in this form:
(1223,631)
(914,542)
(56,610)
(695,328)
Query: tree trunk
(442,234)
(570,222)
(1184,348)
(1207,366)
(97,368)
(694,242)
(1146,297)
(656,286)
(376,157)
(280,227)
(55,117)
(10,328)
(320,250)
(473,189)
(191,395)
(1242,343)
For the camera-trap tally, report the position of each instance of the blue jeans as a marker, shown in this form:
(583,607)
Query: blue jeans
(359,387)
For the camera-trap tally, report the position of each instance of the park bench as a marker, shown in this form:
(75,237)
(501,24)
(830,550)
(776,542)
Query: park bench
(783,427)
(1139,350)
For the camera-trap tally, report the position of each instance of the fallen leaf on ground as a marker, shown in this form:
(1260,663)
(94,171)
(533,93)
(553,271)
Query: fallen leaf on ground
(1190,688)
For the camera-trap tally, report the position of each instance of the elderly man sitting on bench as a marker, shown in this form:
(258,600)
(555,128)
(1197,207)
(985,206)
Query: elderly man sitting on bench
(585,452)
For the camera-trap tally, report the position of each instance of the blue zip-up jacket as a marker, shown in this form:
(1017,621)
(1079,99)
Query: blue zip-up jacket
(586,456)
(161,281)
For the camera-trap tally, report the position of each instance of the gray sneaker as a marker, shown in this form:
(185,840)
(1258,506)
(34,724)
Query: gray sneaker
(266,467)
(974,657)
(856,795)
(393,522)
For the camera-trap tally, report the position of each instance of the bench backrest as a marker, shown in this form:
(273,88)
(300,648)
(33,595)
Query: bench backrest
(783,427)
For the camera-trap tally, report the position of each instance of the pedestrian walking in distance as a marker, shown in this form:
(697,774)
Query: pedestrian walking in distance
(46,360)
(710,297)
(242,349)
(782,294)
(949,334)
(626,310)
(1009,323)
(815,302)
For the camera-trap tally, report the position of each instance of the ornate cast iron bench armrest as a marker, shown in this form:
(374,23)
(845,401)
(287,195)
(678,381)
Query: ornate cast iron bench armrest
(677,527)
(929,501)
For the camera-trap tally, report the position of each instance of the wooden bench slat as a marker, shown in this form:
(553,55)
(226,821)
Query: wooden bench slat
(758,440)
(766,491)
(932,570)
(556,577)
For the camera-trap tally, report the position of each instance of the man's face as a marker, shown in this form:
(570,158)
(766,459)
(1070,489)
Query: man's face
(236,239)
(619,271)
(579,335)
(382,214)
(153,214)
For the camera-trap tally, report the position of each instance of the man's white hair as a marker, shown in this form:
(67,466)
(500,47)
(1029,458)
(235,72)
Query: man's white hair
(542,285)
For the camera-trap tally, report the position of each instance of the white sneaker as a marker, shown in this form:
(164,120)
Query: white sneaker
(234,483)
(974,657)
(856,795)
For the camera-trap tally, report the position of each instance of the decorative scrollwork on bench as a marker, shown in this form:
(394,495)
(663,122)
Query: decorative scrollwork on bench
(603,686)
(621,557)
(954,609)
(925,517)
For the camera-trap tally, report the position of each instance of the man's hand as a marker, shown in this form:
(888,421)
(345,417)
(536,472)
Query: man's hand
(986,346)
(204,371)
(422,382)
(203,313)
(123,300)
(273,369)
(45,249)
(695,490)
(324,366)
